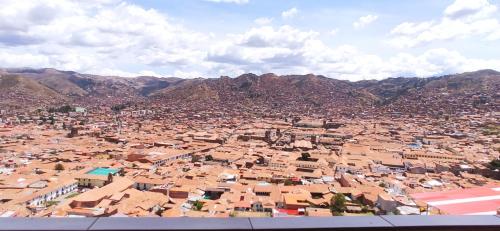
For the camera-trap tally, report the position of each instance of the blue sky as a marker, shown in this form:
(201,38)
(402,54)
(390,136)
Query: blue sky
(350,40)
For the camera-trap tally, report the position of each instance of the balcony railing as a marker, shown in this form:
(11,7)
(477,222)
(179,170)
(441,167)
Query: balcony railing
(430,223)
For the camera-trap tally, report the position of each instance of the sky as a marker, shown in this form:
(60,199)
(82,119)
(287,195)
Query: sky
(350,40)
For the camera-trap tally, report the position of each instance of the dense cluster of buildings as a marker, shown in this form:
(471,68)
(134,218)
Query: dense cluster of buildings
(144,162)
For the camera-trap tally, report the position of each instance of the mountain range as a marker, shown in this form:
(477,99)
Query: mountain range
(28,88)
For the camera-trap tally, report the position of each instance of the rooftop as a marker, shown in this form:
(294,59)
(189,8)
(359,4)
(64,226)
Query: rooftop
(103,171)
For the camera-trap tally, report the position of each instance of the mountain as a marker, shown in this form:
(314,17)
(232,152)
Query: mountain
(450,94)
(267,93)
(65,83)
(75,84)
(304,93)
(391,88)
(18,91)
(149,84)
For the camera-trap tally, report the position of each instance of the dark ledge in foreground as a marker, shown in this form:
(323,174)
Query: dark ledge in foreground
(482,223)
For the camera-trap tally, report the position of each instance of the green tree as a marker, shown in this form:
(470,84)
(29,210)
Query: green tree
(198,205)
(209,158)
(59,167)
(305,156)
(338,204)
(495,164)
(51,203)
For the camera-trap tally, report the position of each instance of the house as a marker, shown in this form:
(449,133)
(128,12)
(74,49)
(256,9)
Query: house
(92,198)
(295,201)
(80,110)
(159,157)
(386,203)
(179,192)
(91,180)
(144,183)
(346,180)
(51,192)
(415,168)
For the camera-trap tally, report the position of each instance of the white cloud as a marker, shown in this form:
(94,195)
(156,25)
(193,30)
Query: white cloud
(187,74)
(364,21)
(437,62)
(263,21)
(115,72)
(264,49)
(462,19)
(284,36)
(289,13)
(11,59)
(89,36)
(408,28)
(229,1)
(468,8)
(113,37)
(334,32)
(286,50)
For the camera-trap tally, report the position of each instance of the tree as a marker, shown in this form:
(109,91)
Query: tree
(51,203)
(396,212)
(209,158)
(495,164)
(110,178)
(337,204)
(288,182)
(198,205)
(305,156)
(59,167)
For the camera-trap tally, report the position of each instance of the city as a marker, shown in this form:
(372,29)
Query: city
(152,159)
(249,115)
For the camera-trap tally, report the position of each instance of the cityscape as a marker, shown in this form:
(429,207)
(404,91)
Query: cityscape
(200,158)
(247,143)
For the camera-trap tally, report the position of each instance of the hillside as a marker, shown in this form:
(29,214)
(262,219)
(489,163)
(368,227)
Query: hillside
(451,94)
(18,91)
(292,93)
(267,93)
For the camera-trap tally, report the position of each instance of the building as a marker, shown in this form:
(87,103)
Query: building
(51,192)
(471,201)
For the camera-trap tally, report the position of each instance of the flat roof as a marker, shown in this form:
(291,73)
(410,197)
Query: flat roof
(103,171)
(473,201)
